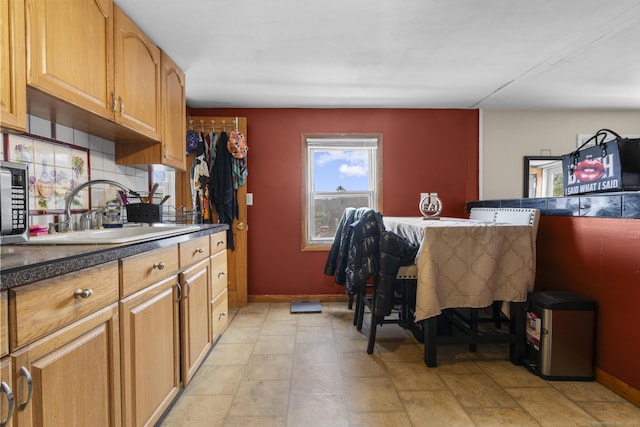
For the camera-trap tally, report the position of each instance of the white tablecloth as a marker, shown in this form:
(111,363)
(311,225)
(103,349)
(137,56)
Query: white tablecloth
(468,263)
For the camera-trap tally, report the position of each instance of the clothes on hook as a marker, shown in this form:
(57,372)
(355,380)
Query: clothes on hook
(224,197)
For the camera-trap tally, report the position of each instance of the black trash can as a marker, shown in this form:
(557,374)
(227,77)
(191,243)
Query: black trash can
(560,335)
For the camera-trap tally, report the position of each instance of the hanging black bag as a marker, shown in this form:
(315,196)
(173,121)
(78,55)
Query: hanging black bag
(612,164)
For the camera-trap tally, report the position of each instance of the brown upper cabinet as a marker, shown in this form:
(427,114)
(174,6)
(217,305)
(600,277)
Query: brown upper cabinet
(172,150)
(13,95)
(91,55)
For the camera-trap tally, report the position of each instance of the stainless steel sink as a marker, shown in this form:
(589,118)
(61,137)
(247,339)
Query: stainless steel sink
(112,235)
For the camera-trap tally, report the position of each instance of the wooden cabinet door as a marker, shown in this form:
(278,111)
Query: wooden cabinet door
(70,51)
(75,373)
(7,398)
(173,115)
(150,351)
(194,315)
(137,77)
(13,90)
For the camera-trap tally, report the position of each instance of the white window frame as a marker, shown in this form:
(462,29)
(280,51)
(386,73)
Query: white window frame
(311,142)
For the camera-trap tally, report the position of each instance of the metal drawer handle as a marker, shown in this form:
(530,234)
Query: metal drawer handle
(179,292)
(79,293)
(121,106)
(199,250)
(221,315)
(220,242)
(24,372)
(222,273)
(158,265)
(7,390)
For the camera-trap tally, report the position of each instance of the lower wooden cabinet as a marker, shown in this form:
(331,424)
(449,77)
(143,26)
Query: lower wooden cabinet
(194,316)
(150,351)
(7,400)
(72,376)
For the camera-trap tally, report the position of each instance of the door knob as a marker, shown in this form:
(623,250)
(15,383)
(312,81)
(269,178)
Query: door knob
(240,225)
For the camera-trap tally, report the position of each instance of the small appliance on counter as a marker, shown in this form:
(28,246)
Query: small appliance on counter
(14,202)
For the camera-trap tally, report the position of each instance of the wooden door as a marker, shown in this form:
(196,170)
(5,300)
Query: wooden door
(137,78)
(150,352)
(13,89)
(70,51)
(237,258)
(75,374)
(194,318)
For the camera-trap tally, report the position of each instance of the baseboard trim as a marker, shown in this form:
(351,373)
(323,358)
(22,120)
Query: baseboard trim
(289,298)
(618,386)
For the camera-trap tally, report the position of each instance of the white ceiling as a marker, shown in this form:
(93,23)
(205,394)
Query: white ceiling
(492,54)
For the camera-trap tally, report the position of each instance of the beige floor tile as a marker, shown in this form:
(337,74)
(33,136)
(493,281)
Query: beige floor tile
(240,421)
(349,341)
(273,368)
(316,378)
(314,319)
(614,413)
(255,308)
(237,335)
(277,344)
(261,398)
(508,417)
(361,364)
(414,376)
(196,411)
(319,410)
(506,374)
(370,394)
(269,367)
(434,408)
(478,391)
(216,379)
(247,319)
(549,407)
(279,327)
(315,352)
(379,419)
(229,354)
(399,351)
(582,391)
(314,334)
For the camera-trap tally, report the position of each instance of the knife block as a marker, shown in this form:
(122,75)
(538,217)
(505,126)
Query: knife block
(144,212)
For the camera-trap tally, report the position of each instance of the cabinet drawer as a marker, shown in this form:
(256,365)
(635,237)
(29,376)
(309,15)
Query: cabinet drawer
(4,324)
(193,251)
(46,306)
(219,315)
(219,275)
(138,271)
(218,242)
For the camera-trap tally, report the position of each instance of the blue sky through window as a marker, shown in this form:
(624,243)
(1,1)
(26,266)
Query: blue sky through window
(346,168)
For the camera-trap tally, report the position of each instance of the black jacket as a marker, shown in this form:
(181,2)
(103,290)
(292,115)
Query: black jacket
(364,251)
(339,252)
(394,252)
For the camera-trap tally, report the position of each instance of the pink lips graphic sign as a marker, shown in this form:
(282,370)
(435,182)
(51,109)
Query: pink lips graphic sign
(608,166)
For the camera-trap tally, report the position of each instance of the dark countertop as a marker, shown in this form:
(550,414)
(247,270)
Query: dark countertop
(625,204)
(25,263)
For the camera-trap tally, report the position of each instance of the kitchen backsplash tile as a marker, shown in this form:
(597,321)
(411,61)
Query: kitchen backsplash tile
(53,165)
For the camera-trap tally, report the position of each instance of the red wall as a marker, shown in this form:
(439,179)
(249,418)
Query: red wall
(600,259)
(424,150)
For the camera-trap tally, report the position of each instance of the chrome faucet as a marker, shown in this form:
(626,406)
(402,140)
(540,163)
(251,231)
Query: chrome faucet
(66,224)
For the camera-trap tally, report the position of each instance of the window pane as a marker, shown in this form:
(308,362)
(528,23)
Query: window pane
(328,210)
(340,170)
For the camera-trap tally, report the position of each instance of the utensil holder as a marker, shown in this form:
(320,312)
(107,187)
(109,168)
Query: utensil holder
(144,212)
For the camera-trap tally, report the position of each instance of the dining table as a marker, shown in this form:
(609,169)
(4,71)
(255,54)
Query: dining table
(464,263)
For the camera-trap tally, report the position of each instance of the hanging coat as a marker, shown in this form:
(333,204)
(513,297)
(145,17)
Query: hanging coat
(223,197)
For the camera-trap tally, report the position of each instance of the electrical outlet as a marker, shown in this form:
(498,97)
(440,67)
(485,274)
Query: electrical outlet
(249,199)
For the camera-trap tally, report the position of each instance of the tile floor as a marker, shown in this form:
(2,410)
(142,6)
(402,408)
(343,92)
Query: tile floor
(274,368)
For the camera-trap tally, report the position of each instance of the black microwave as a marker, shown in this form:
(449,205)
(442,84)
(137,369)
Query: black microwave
(14,202)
